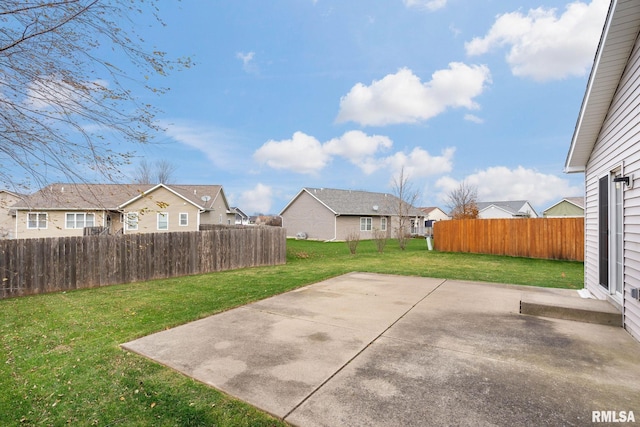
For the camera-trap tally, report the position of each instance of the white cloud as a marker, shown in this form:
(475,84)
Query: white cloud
(218,144)
(305,154)
(501,183)
(403,98)
(258,199)
(426,4)
(544,46)
(302,153)
(358,147)
(247,61)
(473,118)
(53,92)
(419,163)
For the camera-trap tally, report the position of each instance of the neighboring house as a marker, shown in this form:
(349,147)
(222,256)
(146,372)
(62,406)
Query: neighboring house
(66,209)
(434,214)
(606,147)
(569,207)
(506,209)
(431,215)
(241,218)
(7,214)
(330,214)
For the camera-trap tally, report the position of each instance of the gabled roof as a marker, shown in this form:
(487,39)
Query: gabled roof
(237,210)
(111,196)
(616,43)
(576,201)
(428,210)
(354,202)
(512,207)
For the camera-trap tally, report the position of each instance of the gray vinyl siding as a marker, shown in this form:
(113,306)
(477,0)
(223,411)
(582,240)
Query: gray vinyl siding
(618,145)
(348,224)
(308,215)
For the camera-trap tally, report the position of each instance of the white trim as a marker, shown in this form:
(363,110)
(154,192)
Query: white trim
(46,220)
(75,220)
(370,223)
(160,215)
(128,223)
(180,224)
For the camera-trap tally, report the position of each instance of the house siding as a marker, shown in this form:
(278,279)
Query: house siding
(218,213)
(162,200)
(349,224)
(56,224)
(618,146)
(7,220)
(307,215)
(564,209)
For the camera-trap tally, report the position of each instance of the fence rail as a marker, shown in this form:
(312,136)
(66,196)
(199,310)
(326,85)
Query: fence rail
(31,266)
(549,238)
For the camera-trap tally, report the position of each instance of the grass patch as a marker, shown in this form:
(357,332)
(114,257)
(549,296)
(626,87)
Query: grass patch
(60,354)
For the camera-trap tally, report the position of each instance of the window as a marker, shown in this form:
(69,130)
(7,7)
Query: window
(184,219)
(365,224)
(163,221)
(383,224)
(131,220)
(79,220)
(36,220)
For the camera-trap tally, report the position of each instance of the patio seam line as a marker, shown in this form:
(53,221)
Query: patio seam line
(361,350)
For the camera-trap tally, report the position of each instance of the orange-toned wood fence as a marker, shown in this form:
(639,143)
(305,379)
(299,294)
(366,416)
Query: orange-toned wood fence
(549,238)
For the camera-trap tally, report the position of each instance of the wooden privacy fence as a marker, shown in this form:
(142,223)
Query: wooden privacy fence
(549,238)
(31,266)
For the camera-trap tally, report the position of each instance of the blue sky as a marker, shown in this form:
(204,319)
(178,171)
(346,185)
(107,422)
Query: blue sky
(288,94)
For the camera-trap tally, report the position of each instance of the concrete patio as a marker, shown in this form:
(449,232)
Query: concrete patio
(380,350)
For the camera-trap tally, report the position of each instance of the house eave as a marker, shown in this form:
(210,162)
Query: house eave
(610,61)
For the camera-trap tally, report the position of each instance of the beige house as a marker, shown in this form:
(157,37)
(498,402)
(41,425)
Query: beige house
(7,214)
(569,207)
(331,214)
(605,147)
(66,209)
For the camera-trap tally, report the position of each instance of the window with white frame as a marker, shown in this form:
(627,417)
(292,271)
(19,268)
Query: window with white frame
(79,220)
(36,220)
(365,224)
(383,223)
(131,221)
(163,221)
(184,219)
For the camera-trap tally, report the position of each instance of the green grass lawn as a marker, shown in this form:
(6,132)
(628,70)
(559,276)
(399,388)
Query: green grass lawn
(60,357)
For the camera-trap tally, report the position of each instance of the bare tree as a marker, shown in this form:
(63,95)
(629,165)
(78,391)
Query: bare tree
(164,171)
(62,97)
(143,173)
(462,201)
(159,172)
(406,197)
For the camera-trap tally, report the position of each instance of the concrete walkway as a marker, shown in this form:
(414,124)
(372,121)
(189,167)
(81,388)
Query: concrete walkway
(377,350)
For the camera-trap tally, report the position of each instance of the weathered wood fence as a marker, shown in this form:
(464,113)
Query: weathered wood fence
(549,238)
(31,266)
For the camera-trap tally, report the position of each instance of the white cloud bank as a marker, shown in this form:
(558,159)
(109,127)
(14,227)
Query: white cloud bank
(500,183)
(544,46)
(403,98)
(305,154)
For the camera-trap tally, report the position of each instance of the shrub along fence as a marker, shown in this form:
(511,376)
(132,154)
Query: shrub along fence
(31,266)
(549,238)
